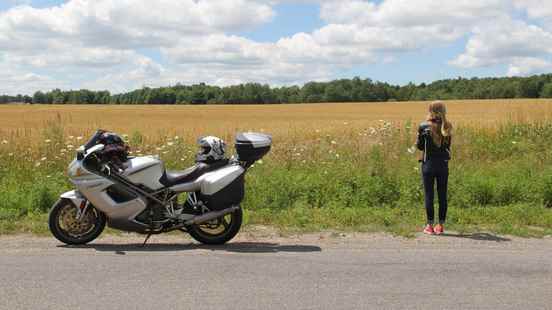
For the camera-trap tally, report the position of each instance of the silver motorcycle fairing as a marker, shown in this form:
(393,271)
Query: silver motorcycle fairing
(211,182)
(75,196)
(93,187)
(146,170)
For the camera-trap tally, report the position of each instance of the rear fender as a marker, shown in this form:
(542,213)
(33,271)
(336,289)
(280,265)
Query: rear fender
(75,196)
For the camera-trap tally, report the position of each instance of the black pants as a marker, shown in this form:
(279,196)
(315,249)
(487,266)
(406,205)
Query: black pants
(435,169)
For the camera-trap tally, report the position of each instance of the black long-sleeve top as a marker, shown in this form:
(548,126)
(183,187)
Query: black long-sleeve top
(433,151)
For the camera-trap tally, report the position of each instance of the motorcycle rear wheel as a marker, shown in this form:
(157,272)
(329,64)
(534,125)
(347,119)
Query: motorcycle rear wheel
(218,231)
(67,229)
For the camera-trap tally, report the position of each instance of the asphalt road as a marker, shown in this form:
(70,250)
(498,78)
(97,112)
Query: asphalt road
(321,271)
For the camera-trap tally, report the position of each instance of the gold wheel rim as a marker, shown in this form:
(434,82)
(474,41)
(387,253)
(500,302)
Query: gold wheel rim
(69,223)
(216,226)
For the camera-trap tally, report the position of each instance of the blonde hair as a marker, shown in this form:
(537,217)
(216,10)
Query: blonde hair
(441,128)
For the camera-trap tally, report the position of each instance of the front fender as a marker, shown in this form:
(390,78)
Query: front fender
(75,196)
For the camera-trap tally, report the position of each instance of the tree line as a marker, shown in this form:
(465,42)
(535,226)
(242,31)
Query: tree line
(342,90)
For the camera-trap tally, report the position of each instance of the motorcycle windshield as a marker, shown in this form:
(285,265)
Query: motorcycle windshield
(94,140)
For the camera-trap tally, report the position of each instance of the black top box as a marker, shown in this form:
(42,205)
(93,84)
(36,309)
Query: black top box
(252,146)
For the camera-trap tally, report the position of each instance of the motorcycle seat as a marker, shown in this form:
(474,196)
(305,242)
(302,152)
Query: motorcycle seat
(171,178)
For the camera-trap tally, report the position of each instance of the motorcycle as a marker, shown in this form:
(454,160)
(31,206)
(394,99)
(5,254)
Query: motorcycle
(139,195)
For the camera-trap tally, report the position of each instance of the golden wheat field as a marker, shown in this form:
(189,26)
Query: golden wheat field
(26,123)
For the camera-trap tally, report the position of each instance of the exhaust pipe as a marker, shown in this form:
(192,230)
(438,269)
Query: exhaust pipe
(210,216)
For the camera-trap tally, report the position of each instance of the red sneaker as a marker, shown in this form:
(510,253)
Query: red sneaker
(429,229)
(439,229)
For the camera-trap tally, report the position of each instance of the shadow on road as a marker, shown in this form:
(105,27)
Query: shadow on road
(239,247)
(477,236)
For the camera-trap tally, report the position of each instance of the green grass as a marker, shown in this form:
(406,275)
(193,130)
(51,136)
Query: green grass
(500,181)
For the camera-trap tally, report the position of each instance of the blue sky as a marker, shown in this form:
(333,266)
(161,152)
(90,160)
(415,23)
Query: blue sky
(115,45)
(289,19)
(6,4)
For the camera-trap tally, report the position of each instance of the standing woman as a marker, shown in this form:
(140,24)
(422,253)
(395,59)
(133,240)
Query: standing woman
(434,140)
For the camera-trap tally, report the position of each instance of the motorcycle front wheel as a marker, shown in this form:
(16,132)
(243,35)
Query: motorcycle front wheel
(66,228)
(217,231)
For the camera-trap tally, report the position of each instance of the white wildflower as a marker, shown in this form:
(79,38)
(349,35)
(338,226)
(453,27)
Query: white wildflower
(176,137)
(336,155)
(514,142)
(43,159)
(47,140)
(170,143)
(260,161)
(333,142)
(37,164)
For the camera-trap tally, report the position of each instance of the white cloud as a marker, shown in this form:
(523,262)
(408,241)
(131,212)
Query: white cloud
(100,43)
(359,32)
(223,60)
(93,41)
(528,65)
(129,23)
(14,81)
(535,8)
(519,45)
(412,13)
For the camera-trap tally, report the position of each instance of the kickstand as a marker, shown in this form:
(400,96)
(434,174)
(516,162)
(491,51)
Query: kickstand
(146,240)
